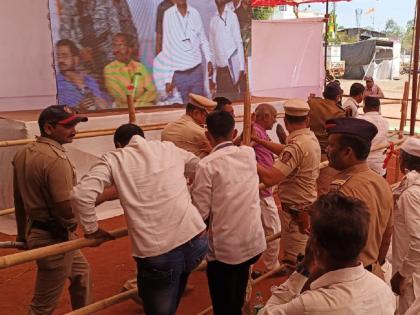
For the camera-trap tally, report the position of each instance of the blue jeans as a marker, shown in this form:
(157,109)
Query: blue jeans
(162,279)
(189,81)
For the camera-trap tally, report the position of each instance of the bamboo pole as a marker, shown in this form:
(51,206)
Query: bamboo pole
(246,135)
(415,71)
(105,303)
(7,211)
(404,104)
(131,108)
(60,248)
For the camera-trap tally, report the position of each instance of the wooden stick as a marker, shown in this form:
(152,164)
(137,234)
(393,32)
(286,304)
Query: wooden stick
(268,274)
(131,109)
(60,248)
(404,105)
(415,70)
(246,134)
(12,244)
(105,303)
(7,211)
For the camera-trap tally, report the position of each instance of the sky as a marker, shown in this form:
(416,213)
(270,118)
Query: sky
(400,11)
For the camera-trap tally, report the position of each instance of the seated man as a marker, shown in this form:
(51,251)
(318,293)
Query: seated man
(188,132)
(75,88)
(225,191)
(224,104)
(124,74)
(356,97)
(338,283)
(372,114)
(161,219)
(373,89)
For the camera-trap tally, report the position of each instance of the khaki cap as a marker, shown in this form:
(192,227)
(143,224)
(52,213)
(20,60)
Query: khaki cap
(296,107)
(412,146)
(202,102)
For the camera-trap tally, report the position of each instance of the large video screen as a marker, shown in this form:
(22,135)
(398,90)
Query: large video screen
(156,51)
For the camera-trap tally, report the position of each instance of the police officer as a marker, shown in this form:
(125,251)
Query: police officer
(349,143)
(188,132)
(321,110)
(295,172)
(43,180)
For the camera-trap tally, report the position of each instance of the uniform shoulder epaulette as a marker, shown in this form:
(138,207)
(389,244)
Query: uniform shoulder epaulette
(339,182)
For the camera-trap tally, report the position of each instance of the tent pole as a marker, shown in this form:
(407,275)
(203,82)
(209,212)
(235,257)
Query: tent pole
(414,95)
(327,19)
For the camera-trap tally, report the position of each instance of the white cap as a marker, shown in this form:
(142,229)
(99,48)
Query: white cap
(412,146)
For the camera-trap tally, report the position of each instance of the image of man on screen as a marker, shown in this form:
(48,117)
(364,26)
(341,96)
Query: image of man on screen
(92,24)
(185,42)
(227,51)
(75,88)
(161,9)
(125,72)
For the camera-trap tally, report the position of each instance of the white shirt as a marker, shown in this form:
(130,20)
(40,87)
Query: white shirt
(226,43)
(406,237)
(225,190)
(347,291)
(149,176)
(376,159)
(184,40)
(351,102)
(231,6)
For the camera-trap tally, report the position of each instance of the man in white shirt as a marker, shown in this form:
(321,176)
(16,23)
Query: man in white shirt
(356,97)
(406,237)
(338,284)
(227,50)
(225,191)
(372,114)
(164,226)
(184,42)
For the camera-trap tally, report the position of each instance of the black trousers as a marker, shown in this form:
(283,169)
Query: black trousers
(227,284)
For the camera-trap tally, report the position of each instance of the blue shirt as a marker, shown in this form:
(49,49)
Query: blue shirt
(70,94)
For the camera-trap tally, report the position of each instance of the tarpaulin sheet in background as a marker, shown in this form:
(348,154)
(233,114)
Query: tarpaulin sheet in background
(356,56)
(287,58)
(271,3)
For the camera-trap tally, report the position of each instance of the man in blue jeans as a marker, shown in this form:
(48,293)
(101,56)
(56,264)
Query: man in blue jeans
(165,229)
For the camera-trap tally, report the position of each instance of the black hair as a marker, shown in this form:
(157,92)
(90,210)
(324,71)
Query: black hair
(331,91)
(372,102)
(221,102)
(128,38)
(125,132)
(360,147)
(294,119)
(220,124)
(340,225)
(411,162)
(70,44)
(356,89)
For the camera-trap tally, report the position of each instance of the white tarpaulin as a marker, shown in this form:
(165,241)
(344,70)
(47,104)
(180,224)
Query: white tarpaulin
(287,58)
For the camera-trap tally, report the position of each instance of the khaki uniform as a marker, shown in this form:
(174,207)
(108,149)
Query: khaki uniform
(299,162)
(361,182)
(44,176)
(321,111)
(186,134)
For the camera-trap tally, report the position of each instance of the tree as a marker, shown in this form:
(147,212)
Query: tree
(392,29)
(407,40)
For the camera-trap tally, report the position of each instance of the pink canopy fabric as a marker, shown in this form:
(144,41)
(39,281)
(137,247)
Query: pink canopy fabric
(270,3)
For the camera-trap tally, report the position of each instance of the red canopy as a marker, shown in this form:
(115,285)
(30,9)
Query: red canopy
(270,3)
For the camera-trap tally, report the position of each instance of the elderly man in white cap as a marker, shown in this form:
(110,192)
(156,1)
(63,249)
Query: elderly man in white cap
(406,239)
(295,172)
(188,132)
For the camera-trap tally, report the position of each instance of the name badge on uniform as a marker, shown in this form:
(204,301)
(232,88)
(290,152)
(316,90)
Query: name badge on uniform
(187,44)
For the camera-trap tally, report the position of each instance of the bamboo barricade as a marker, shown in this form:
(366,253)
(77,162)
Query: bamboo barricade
(121,297)
(246,135)
(7,211)
(60,248)
(131,108)
(404,105)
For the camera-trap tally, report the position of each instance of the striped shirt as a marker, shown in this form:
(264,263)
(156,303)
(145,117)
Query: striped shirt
(118,76)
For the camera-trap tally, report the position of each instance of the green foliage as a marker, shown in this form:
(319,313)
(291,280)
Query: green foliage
(407,39)
(262,13)
(392,29)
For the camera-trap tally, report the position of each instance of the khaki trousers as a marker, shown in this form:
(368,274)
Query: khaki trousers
(271,224)
(52,274)
(292,241)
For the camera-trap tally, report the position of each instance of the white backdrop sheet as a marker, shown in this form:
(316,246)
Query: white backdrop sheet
(287,58)
(82,152)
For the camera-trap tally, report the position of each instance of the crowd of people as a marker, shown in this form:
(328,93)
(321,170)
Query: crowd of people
(216,199)
(99,63)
